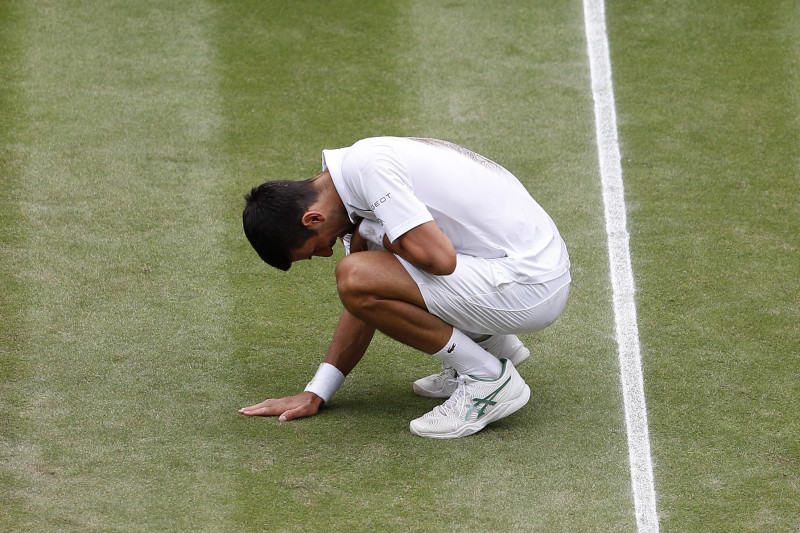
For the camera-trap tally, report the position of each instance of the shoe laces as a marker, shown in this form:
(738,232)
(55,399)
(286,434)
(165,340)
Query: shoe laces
(446,376)
(456,400)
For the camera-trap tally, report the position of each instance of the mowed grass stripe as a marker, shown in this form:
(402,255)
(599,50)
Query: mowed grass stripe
(297,81)
(12,290)
(708,99)
(124,342)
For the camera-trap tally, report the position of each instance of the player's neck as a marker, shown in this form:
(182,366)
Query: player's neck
(328,200)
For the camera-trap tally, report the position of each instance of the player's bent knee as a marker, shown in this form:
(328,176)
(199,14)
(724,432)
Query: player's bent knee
(366,277)
(350,276)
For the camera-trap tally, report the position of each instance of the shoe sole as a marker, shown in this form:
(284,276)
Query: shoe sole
(473,427)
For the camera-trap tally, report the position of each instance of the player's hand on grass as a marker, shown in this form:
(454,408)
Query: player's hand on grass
(288,408)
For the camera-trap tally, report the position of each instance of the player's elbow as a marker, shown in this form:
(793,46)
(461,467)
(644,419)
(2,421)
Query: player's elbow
(441,265)
(448,266)
(428,249)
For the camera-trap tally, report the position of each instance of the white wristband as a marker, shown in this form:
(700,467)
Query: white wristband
(372,231)
(326,381)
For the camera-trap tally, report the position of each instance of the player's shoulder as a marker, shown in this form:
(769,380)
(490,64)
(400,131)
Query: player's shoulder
(377,144)
(371,150)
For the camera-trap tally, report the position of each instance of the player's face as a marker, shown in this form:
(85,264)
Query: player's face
(319,245)
(328,227)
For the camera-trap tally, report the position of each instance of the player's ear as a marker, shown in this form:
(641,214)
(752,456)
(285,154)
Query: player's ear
(312,219)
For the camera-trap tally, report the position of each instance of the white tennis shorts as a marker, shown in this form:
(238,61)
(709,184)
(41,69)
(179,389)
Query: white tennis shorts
(470,299)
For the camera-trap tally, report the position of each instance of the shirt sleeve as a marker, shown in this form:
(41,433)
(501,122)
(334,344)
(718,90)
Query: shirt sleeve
(382,183)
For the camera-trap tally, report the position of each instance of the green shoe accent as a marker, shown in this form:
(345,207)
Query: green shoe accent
(503,371)
(480,404)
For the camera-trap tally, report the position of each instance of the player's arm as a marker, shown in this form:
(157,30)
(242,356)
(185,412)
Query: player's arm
(425,247)
(350,342)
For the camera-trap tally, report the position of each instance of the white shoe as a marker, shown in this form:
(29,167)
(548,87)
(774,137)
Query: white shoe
(440,385)
(443,384)
(474,404)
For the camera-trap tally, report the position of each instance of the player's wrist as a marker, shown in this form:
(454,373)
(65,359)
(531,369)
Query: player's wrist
(326,381)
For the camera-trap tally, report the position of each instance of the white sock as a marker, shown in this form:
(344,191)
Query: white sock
(477,337)
(497,344)
(494,344)
(463,354)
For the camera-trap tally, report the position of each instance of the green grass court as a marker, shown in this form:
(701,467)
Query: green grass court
(136,320)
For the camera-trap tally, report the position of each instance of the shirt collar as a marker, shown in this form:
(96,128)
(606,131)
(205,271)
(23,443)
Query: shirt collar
(332,162)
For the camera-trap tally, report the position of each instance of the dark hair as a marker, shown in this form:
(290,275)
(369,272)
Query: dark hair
(272,219)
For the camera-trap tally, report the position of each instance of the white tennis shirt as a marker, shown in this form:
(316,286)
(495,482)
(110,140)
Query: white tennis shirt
(482,207)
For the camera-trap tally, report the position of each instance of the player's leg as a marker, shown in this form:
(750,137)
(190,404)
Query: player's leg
(376,288)
(473,301)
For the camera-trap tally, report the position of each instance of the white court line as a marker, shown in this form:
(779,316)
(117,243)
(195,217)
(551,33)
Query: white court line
(621,271)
